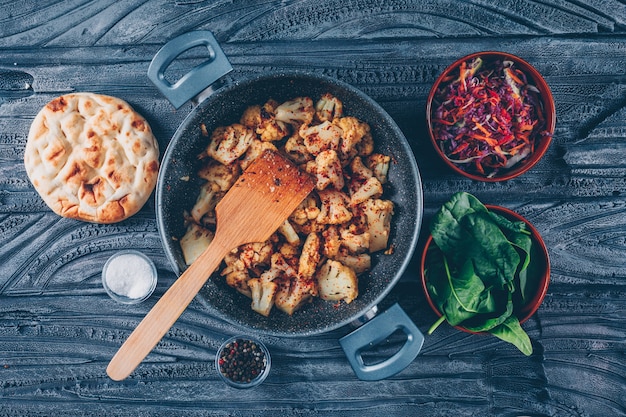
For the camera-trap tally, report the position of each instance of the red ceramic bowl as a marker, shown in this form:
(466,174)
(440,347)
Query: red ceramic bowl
(540,261)
(546,104)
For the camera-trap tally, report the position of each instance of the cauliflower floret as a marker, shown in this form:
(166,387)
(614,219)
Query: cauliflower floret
(195,241)
(328,108)
(293,294)
(262,294)
(307,210)
(353,131)
(281,267)
(336,281)
(207,200)
(270,129)
(239,280)
(296,149)
(332,241)
(224,176)
(378,213)
(355,243)
(296,112)
(310,256)
(287,230)
(366,146)
(359,263)
(334,207)
(229,143)
(379,164)
(359,170)
(289,251)
(255,254)
(361,191)
(233,263)
(320,137)
(327,170)
(255,150)
(251,117)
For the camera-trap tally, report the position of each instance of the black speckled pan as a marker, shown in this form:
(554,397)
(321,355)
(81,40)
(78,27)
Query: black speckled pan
(225,106)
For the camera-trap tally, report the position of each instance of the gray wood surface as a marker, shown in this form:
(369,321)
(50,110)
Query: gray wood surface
(59,329)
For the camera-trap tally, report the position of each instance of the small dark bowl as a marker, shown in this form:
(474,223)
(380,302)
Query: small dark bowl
(547,107)
(540,262)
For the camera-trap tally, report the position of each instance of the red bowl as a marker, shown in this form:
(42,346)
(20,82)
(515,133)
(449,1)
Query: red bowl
(541,262)
(546,101)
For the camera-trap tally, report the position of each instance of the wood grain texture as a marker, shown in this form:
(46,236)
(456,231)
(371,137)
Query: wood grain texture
(59,329)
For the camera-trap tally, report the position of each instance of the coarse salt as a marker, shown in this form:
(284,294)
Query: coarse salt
(129,275)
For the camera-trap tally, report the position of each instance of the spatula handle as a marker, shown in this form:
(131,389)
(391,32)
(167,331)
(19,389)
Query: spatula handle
(165,312)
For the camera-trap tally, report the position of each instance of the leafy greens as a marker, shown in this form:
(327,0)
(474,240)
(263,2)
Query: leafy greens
(477,261)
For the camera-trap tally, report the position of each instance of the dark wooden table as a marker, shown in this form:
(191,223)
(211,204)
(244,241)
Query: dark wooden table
(59,329)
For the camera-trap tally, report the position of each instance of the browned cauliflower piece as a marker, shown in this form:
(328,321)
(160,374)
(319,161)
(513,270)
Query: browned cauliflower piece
(378,213)
(238,279)
(359,169)
(255,254)
(379,164)
(270,129)
(296,112)
(359,263)
(366,146)
(306,211)
(293,294)
(327,170)
(355,243)
(224,176)
(195,240)
(255,150)
(229,143)
(332,241)
(251,117)
(334,207)
(336,281)
(207,200)
(262,294)
(353,131)
(290,234)
(310,256)
(328,107)
(297,151)
(361,191)
(320,137)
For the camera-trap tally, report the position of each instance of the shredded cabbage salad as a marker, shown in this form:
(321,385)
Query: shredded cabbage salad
(487,117)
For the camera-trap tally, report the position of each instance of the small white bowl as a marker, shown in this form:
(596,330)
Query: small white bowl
(129,277)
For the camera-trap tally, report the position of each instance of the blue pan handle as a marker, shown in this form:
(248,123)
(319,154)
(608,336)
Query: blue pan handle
(196,80)
(374,332)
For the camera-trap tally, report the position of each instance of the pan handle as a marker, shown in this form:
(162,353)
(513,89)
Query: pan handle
(374,332)
(196,80)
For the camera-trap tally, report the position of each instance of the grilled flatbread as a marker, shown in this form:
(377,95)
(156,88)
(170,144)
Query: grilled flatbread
(92,157)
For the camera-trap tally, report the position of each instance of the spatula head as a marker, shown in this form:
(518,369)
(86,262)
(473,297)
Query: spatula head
(263,197)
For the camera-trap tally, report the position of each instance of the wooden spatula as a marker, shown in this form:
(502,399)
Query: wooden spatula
(257,204)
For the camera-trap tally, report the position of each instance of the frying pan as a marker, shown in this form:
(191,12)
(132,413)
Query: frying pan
(178,185)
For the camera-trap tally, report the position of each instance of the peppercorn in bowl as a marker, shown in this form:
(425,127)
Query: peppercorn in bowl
(243,362)
(490,116)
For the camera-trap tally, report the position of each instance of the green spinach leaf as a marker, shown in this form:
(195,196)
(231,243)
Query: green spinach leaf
(511,331)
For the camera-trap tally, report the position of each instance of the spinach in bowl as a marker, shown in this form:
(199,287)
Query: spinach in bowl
(483,271)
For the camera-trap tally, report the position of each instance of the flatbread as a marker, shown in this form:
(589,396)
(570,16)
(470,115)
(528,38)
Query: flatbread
(92,157)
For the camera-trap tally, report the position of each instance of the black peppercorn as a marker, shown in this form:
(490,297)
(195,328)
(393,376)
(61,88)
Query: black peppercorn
(242,361)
